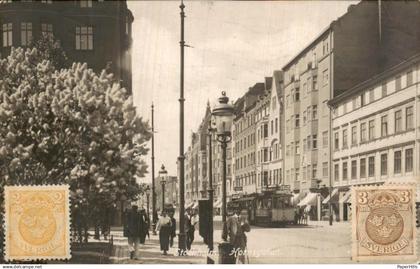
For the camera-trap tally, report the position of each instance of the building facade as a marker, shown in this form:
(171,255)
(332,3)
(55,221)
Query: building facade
(95,32)
(244,142)
(366,40)
(275,156)
(376,134)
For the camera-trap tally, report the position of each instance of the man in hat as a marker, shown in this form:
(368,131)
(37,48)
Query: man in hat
(133,229)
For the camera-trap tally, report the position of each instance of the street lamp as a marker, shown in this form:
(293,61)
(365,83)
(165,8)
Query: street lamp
(223,115)
(147,190)
(163,174)
(210,190)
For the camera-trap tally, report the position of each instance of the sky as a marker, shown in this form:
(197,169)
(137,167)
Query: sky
(235,44)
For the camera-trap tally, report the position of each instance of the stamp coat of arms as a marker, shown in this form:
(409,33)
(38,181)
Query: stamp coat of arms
(384,223)
(37,222)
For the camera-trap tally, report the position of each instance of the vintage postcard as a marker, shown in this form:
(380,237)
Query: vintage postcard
(384,223)
(209,132)
(37,223)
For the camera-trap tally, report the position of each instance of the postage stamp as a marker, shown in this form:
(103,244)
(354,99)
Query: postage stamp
(37,222)
(384,223)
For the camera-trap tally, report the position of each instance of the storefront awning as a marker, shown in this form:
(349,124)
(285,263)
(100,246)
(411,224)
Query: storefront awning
(189,205)
(334,198)
(310,199)
(346,198)
(297,197)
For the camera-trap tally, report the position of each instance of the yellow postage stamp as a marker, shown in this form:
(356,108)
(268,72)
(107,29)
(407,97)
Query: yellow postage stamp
(384,223)
(37,222)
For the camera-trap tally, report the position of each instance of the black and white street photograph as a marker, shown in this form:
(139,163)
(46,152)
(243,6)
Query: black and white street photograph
(209,132)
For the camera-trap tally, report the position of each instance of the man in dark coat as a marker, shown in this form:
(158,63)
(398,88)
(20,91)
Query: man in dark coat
(145,226)
(173,228)
(133,228)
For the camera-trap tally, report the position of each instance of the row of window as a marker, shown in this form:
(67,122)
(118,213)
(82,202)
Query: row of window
(369,163)
(308,143)
(83,34)
(264,155)
(309,172)
(252,119)
(398,83)
(309,114)
(367,128)
(294,96)
(271,177)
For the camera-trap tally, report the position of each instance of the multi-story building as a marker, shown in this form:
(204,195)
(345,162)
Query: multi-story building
(351,49)
(95,32)
(275,158)
(262,114)
(244,142)
(376,132)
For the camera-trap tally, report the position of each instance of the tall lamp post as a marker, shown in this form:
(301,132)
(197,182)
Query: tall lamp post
(154,214)
(163,174)
(210,191)
(147,202)
(223,116)
(181,158)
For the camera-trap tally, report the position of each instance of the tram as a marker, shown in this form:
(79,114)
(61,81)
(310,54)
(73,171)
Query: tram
(267,209)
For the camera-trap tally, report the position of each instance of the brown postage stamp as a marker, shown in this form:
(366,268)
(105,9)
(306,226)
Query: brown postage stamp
(384,223)
(37,222)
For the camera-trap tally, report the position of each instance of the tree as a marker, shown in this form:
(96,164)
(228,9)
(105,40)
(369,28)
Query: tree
(49,48)
(69,126)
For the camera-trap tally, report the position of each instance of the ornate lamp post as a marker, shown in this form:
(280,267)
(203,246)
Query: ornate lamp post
(163,174)
(223,115)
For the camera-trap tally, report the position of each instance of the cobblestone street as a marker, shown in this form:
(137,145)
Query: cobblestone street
(316,243)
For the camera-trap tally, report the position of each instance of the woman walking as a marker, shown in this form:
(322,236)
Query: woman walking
(164,226)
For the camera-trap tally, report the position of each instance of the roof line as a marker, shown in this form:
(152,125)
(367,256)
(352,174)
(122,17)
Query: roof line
(375,79)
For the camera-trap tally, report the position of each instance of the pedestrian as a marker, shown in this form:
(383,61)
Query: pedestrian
(147,225)
(240,241)
(132,230)
(189,228)
(296,215)
(164,226)
(144,225)
(173,227)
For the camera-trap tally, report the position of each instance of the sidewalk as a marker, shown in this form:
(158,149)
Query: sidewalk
(150,253)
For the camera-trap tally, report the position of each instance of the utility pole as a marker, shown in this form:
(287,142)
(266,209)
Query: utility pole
(153,175)
(181,158)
